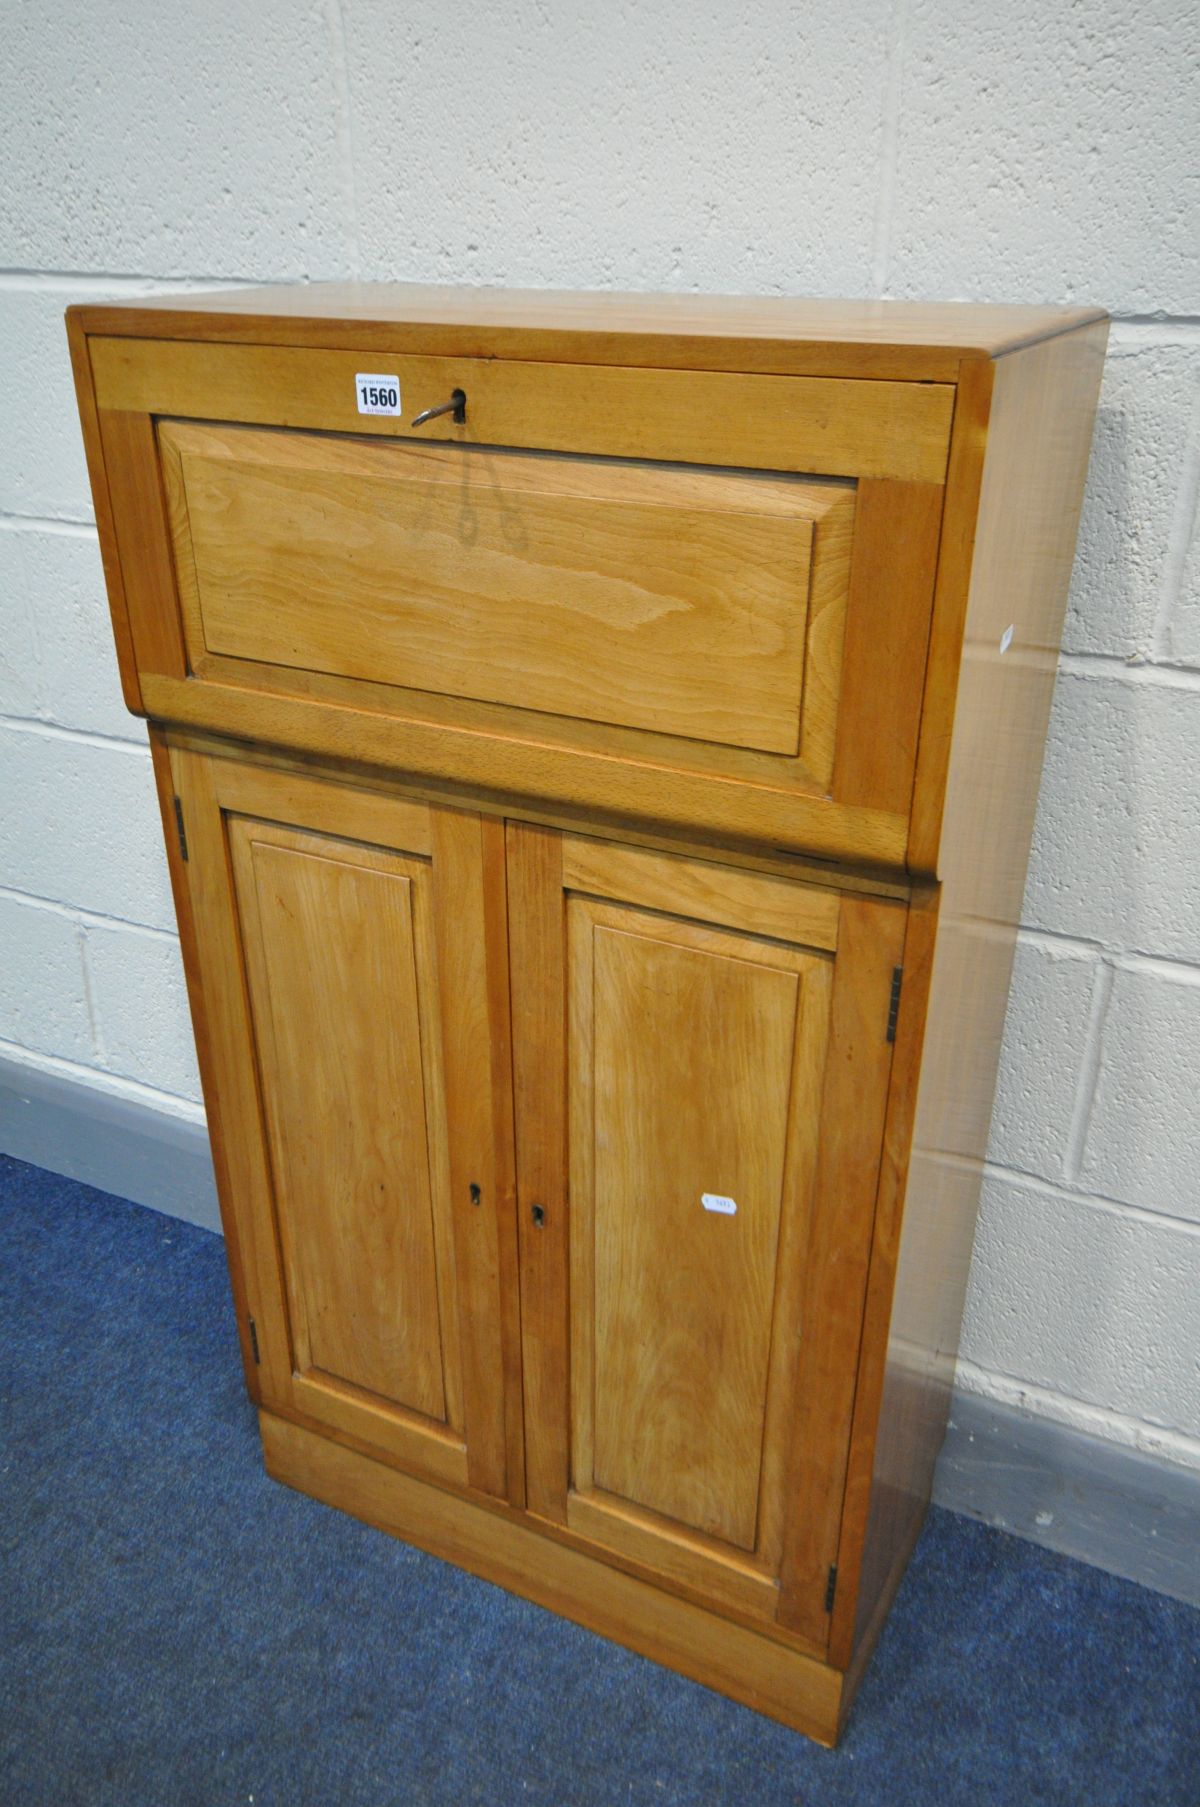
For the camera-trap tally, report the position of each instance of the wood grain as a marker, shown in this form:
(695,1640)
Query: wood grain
(914,340)
(328,927)
(500,1056)
(379,781)
(325,804)
(538,980)
(670,600)
(700,1567)
(686,1076)
(135,494)
(821,427)
(701,890)
(450,1024)
(668,1424)
(690,1065)
(106,531)
(478,1083)
(758,1671)
(837,1250)
(880,703)
(515,771)
(240,1144)
(225,1164)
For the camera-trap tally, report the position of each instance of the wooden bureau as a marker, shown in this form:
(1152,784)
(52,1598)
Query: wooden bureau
(598,814)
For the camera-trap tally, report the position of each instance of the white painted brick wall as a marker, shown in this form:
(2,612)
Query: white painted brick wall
(79,825)
(143,1030)
(43,992)
(1143,1135)
(686,143)
(1116,846)
(170,140)
(896,148)
(42,469)
(71,664)
(1054,992)
(1043,151)
(1127,1349)
(1149,405)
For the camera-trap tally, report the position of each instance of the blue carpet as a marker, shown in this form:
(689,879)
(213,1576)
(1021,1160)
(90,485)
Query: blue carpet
(175,1628)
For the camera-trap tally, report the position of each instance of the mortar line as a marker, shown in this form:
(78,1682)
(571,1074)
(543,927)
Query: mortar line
(65,525)
(19,724)
(1089,1070)
(1159,318)
(1049,1404)
(99,1080)
(96,919)
(99,1050)
(1064,1194)
(1184,522)
(27,280)
(1153,672)
(1175,969)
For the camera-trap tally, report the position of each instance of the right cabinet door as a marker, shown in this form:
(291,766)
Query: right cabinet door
(701,1065)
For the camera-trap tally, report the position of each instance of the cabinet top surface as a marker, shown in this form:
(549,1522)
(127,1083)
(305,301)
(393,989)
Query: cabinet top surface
(917,338)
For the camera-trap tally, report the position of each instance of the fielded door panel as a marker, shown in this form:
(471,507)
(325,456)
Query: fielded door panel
(704,604)
(343,940)
(701,1064)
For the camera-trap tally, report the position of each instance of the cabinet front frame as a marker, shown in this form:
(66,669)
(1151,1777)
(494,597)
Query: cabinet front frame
(891,438)
(545,868)
(216,794)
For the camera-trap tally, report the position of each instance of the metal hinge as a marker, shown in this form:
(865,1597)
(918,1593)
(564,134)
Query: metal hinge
(831,1587)
(254,1342)
(894,1005)
(180,830)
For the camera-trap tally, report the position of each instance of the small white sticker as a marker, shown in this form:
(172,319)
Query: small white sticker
(713,1201)
(1006,638)
(377,394)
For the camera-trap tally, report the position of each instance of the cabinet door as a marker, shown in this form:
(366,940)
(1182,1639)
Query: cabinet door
(701,1064)
(361,1099)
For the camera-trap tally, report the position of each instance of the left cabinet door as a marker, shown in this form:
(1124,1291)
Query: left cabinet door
(347,942)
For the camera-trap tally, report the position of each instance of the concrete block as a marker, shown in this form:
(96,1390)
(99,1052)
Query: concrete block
(1139,455)
(1088,1302)
(140,1002)
(1045,1034)
(1143,1139)
(77,680)
(676,146)
(42,467)
(1044,154)
(43,1001)
(79,825)
(1118,825)
(172,140)
(18,647)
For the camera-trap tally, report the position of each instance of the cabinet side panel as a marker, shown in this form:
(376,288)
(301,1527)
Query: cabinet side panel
(1038,439)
